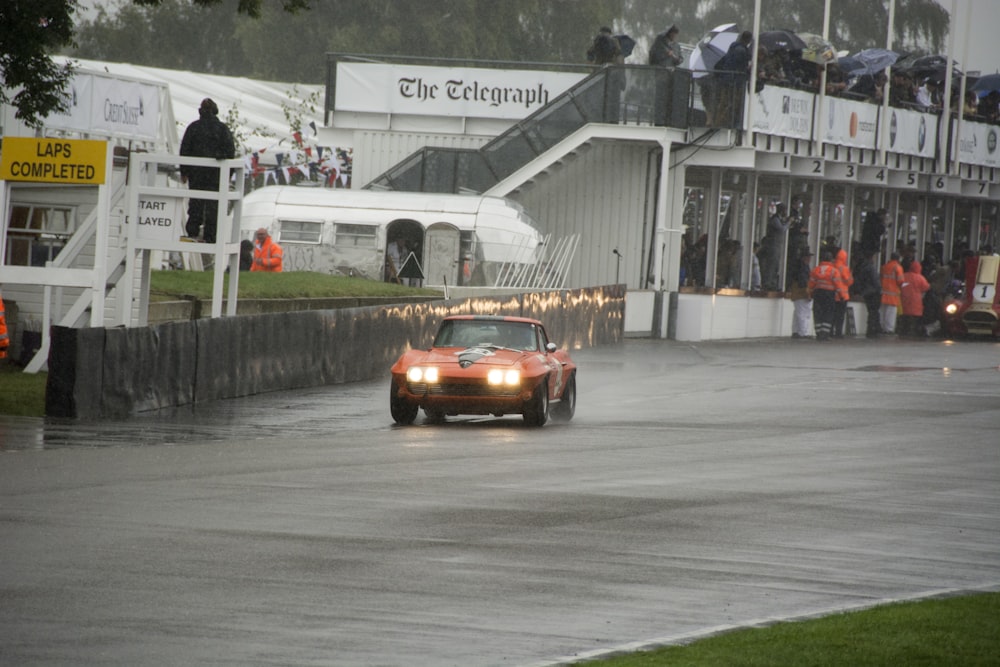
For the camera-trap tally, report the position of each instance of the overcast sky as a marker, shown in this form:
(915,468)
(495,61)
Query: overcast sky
(984,42)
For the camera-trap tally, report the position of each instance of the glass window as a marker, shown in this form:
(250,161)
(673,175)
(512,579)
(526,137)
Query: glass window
(361,236)
(37,233)
(301,231)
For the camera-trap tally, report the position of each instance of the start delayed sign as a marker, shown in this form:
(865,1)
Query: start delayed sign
(48,160)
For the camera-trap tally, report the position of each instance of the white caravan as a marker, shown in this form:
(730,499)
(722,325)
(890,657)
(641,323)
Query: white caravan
(457,239)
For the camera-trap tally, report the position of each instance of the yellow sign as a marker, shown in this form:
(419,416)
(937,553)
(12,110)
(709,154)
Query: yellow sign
(47,160)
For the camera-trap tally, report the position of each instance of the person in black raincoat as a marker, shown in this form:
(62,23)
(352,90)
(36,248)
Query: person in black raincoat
(206,137)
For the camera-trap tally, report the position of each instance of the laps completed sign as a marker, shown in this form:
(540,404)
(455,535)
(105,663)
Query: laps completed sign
(48,160)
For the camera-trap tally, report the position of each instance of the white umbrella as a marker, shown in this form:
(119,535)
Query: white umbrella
(711,48)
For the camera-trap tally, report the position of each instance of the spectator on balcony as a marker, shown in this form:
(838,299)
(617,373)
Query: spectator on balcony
(971,107)
(836,82)
(869,88)
(770,68)
(666,51)
(989,107)
(901,91)
(730,81)
(605,49)
(929,95)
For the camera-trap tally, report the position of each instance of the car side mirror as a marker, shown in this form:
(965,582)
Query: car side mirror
(551,347)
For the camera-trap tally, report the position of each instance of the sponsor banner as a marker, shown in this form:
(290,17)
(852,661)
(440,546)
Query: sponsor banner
(978,144)
(47,160)
(447,91)
(912,132)
(784,112)
(105,105)
(850,123)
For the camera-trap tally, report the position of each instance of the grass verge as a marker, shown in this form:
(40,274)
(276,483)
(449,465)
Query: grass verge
(173,285)
(948,631)
(21,394)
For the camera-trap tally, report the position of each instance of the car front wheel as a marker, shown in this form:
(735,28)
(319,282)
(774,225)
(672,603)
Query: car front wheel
(563,410)
(403,412)
(536,409)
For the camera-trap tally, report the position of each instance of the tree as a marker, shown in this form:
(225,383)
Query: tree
(29,31)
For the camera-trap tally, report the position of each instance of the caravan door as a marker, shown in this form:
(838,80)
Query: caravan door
(441,249)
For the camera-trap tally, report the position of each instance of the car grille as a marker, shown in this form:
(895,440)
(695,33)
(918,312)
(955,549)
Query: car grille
(980,317)
(461,389)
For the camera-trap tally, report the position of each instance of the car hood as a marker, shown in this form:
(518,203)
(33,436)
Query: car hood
(473,355)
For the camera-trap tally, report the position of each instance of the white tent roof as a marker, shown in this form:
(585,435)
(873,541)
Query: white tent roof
(258,103)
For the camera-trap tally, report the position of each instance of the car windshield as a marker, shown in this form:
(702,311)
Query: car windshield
(483,333)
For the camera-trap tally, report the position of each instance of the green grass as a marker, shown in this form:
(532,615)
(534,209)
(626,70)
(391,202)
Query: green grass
(953,631)
(174,285)
(21,394)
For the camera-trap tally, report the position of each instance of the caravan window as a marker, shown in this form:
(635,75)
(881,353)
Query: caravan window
(359,236)
(37,233)
(300,231)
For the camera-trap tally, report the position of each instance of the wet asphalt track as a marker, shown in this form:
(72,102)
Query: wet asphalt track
(700,487)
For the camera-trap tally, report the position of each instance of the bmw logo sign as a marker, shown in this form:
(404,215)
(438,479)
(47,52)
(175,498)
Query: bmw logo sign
(922,133)
(991,141)
(893,126)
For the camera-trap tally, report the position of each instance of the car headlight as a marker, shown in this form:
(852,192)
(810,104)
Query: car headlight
(951,308)
(510,377)
(420,374)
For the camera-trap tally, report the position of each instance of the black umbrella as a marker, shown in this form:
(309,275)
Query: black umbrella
(627,44)
(780,40)
(986,84)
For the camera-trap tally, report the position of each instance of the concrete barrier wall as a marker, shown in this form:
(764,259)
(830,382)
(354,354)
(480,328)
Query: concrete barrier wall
(113,373)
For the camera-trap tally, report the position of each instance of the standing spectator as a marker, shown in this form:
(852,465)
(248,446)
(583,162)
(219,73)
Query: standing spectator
(939,277)
(798,241)
(770,247)
(206,137)
(843,291)
(4,336)
(869,286)
(246,254)
(731,78)
(891,276)
(824,283)
(605,49)
(912,297)
(755,267)
(267,255)
(799,293)
(666,52)
(872,230)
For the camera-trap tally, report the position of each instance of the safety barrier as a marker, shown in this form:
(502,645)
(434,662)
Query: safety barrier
(97,373)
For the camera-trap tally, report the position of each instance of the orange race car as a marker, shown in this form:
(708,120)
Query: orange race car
(481,365)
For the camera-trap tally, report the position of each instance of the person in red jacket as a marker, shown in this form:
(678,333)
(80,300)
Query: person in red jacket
(4,336)
(844,293)
(892,278)
(267,254)
(824,283)
(912,297)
